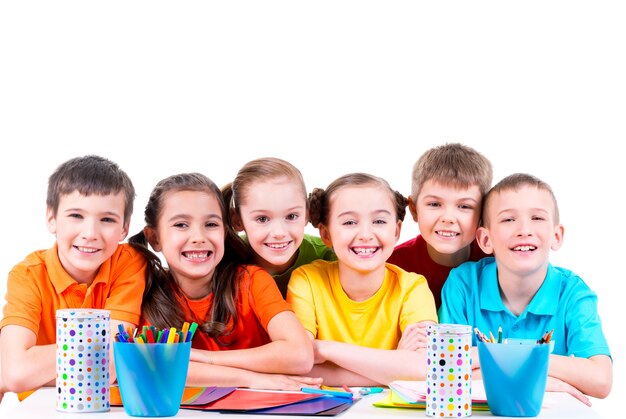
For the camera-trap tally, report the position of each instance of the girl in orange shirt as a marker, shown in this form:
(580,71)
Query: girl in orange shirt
(247,335)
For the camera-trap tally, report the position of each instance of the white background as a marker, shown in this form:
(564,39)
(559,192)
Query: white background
(333,87)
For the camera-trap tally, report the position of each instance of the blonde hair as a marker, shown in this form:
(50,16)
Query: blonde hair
(259,170)
(452,164)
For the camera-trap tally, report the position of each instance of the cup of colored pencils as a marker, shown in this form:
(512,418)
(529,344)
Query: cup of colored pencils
(151,366)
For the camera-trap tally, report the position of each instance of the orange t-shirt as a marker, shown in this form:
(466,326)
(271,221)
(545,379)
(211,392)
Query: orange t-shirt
(39,285)
(258,301)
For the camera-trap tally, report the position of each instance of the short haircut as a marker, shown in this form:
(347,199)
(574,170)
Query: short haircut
(452,164)
(513,183)
(90,175)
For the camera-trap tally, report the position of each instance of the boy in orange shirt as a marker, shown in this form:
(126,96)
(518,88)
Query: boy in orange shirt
(88,208)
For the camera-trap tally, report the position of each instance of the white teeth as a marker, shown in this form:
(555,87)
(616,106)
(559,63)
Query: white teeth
(364,250)
(447,233)
(87,249)
(277,245)
(524,248)
(196,255)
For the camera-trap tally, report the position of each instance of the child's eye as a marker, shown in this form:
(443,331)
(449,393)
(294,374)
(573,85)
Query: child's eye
(537,218)
(75,215)
(293,217)
(380,221)
(349,223)
(433,204)
(180,225)
(507,220)
(466,207)
(262,219)
(109,220)
(212,224)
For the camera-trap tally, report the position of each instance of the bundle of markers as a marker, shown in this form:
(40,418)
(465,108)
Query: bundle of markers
(151,334)
(546,338)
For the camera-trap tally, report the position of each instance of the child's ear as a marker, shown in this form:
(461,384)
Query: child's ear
(51,220)
(152,237)
(325,235)
(484,241)
(235,220)
(125,231)
(559,230)
(412,208)
(398,230)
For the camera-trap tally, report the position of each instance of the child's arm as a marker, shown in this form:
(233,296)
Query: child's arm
(593,376)
(201,375)
(25,366)
(290,351)
(414,336)
(378,365)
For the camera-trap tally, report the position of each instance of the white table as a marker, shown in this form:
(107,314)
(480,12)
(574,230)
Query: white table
(41,405)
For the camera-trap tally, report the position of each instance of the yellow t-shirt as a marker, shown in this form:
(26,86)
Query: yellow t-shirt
(325,310)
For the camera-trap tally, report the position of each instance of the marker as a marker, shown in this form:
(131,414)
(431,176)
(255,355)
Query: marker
(334,393)
(370,390)
(499,334)
(192,330)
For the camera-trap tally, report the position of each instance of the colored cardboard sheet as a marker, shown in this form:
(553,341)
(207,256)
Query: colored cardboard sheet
(204,397)
(243,400)
(322,406)
(193,397)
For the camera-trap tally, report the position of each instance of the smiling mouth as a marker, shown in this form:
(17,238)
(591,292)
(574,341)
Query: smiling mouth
(86,249)
(197,255)
(365,251)
(447,233)
(278,246)
(524,248)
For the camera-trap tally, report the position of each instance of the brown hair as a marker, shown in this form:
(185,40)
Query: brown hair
(319,199)
(452,164)
(90,175)
(513,183)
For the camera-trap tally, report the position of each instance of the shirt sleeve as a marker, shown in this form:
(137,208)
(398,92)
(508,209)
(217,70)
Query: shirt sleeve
(127,286)
(419,303)
(453,308)
(301,297)
(23,300)
(584,328)
(268,301)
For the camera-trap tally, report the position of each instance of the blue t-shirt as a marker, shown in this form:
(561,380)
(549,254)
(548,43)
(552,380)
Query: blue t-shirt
(471,295)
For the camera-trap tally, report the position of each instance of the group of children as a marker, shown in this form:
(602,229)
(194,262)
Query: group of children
(280,309)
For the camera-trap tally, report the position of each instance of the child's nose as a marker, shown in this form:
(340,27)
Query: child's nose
(278,229)
(90,229)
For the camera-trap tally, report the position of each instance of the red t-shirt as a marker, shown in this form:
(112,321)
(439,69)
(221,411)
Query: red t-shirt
(412,256)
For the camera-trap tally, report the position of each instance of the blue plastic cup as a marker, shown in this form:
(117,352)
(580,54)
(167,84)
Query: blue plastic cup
(151,376)
(514,375)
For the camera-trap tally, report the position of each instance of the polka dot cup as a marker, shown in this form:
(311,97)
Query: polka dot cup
(449,373)
(83,342)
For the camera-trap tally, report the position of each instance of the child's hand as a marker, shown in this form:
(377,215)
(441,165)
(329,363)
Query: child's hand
(284,382)
(318,346)
(414,336)
(555,384)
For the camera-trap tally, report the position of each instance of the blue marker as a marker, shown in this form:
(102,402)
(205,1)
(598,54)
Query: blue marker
(343,394)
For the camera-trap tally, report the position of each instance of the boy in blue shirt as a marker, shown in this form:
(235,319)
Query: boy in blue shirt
(521,291)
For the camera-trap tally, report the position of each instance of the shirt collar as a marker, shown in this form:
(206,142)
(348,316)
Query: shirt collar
(543,303)
(59,277)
